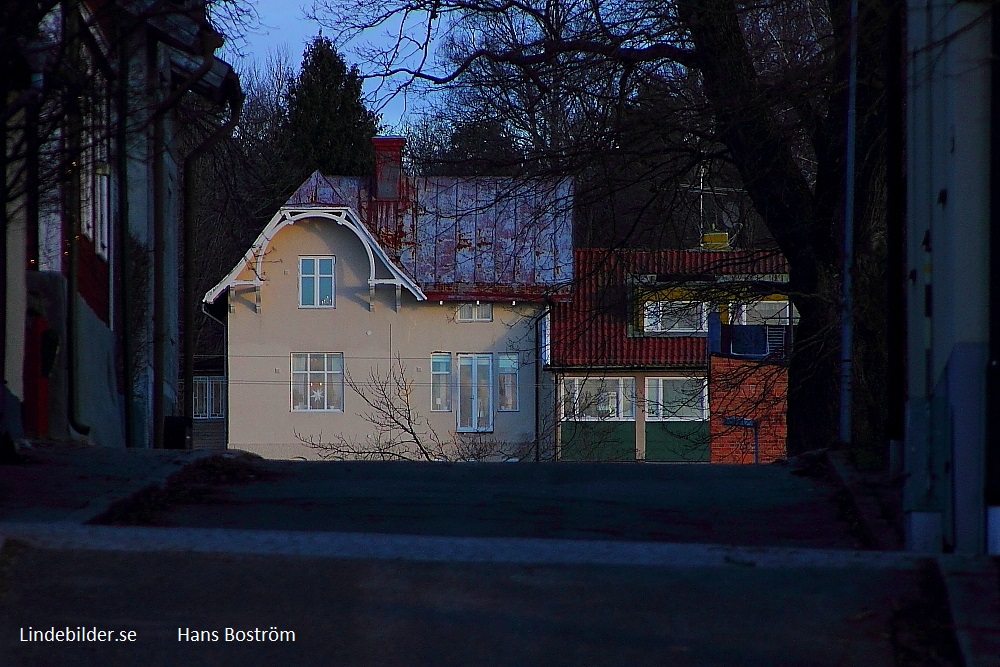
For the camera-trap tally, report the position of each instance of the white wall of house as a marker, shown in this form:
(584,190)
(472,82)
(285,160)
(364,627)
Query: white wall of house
(260,345)
(948,126)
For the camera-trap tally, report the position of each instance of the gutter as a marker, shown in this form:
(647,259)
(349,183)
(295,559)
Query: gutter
(71,213)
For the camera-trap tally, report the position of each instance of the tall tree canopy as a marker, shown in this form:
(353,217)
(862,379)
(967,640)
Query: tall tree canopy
(327,124)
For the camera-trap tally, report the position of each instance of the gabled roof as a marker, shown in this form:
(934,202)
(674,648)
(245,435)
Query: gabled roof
(452,238)
(592,329)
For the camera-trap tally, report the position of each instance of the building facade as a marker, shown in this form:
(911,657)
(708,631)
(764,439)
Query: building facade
(395,318)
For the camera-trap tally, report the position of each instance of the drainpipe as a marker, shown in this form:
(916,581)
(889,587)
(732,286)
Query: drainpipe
(71,231)
(847,315)
(188,296)
(992,455)
(895,241)
(123,255)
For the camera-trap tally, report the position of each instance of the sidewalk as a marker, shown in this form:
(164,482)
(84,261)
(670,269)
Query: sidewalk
(438,564)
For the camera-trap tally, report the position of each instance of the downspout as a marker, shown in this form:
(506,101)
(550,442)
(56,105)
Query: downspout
(538,378)
(847,314)
(991,481)
(189,297)
(124,241)
(895,241)
(71,230)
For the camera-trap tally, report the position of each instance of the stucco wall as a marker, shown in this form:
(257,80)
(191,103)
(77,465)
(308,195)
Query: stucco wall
(260,345)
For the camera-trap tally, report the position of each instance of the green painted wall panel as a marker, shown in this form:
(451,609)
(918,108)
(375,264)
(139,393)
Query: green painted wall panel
(677,441)
(598,441)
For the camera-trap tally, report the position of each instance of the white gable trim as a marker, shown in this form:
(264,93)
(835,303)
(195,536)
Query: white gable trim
(285,216)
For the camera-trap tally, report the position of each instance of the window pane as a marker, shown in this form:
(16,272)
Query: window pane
(441,363)
(317,362)
(335,362)
(298,362)
(508,391)
(593,400)
(326,291)
(326,266)
(307,291)
(627,398)
(484,386)
(465,311)
(317,393)
(683,398)
(300,392)
(217,394)
(465,392)
(200,397)
(508,363)
(484,311)
(307,266)
(653,398)
(768,312)
(335,392)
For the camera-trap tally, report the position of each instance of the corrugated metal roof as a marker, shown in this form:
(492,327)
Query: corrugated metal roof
(592,329)
(461,238)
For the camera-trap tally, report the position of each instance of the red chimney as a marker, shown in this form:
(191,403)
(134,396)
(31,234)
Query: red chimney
(388,167)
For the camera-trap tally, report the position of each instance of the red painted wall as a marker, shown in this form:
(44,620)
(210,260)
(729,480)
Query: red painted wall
(751,389)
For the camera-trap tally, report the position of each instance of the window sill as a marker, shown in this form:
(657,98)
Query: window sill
(307,411)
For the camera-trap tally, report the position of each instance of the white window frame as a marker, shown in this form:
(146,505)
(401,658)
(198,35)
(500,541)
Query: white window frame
(102,209)
(741,312)
(545,339)
(317,277)
(213,390)
(501,358)
(649,403)
(445,380)
(478,311)
(474,359)
(327,374)
(624,398)
(652,322)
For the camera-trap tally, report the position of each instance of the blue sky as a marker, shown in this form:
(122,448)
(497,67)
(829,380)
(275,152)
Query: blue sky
(283,24)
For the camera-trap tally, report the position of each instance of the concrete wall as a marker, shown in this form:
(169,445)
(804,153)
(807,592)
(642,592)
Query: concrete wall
(260,344)
(948,208)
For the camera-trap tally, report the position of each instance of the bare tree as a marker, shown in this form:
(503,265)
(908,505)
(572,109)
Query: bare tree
(399,431)
(762,87)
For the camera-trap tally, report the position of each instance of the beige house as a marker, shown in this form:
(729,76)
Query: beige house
(391,317)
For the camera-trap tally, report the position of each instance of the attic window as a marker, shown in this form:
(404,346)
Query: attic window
(674,317)
(475,312)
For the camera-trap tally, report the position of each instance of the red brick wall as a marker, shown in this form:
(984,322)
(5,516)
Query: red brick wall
(93,275)
(751,389)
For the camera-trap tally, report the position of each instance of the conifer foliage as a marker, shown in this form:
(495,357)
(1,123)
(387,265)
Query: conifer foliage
(328,126)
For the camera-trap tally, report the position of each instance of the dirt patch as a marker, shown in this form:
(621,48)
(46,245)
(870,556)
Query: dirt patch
(196,483)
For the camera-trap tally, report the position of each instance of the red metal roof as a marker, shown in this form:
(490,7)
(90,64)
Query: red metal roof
(592,329)
(463,238)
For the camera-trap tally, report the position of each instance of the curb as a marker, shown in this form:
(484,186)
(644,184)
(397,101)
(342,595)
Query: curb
(973,586)
(876,530)
(157,478)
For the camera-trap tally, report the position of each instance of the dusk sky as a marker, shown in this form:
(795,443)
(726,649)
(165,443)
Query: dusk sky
(283,24)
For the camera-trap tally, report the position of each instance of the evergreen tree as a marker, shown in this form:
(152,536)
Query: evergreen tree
(327,125)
